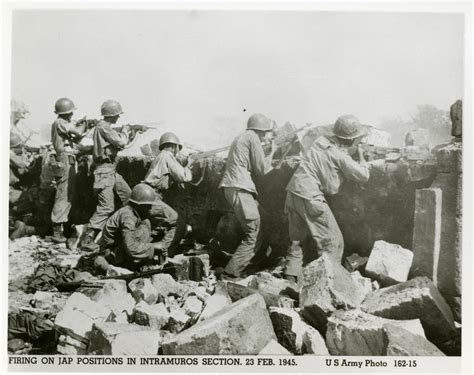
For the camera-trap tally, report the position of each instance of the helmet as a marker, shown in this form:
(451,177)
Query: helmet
(259,122)
(111,108)
(142,194)
(347,127)
(15,140)
(169,138)
(64,106)
(18,107)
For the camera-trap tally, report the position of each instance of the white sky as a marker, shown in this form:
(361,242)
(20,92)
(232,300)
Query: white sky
(198,70)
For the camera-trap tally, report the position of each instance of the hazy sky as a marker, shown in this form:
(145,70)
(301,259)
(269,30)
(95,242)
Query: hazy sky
(198,70)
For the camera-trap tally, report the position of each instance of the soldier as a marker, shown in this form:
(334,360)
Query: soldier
(18,112)
(246,157)
(163,173)
(63,134)
(107,143)
(19,166)
(321,172)
(126,238)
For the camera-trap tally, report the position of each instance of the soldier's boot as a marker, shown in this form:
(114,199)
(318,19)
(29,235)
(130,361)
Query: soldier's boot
(21,230)
(88,242)
(58,234)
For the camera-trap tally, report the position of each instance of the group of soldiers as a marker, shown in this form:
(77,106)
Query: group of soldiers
(122,230)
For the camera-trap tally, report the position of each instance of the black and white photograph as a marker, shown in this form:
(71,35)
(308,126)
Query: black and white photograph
(259,188)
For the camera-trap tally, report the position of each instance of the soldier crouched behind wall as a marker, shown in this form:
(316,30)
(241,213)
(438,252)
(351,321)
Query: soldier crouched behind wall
(126,237)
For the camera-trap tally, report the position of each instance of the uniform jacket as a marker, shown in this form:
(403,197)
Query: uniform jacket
(323,169)
(246,157)
(107,142)
(127,236)
(166,170)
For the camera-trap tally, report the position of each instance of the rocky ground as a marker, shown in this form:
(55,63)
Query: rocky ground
(366,307)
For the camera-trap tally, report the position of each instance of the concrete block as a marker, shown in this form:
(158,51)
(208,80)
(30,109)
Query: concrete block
(78,316)
(113,295)
(124,339)
(355,262)
(389,263)
(415,299)
(216,302)
(243,328)
(456,118)
(274,348)
(327,286)
(178,320)
(427,233)
(143,289)
(155,316)
(450,256)
(357,333)
(364,283)
(270,284)
(294,334)
(237,292)
(192,306)
(450,158)
(165,285)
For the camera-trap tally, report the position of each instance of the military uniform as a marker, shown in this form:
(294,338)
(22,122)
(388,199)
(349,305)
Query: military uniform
(107,143)
(19,201)
(321,171)
(126,239)
(246,156)
(63,170)
(163,173)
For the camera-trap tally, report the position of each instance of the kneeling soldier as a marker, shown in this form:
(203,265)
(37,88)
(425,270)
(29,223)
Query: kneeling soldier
(126,237)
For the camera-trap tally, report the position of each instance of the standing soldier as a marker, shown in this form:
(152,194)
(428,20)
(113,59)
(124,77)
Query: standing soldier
(63,133)
(107,143)
(321,172)
(246,157)
(163,173)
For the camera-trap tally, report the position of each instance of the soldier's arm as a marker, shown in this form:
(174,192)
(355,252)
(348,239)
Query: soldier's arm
(260,165)
(353,170)
(178,172)
(137,239)
(115,138)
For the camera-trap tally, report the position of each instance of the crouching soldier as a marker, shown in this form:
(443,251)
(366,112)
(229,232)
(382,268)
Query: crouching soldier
(107,182)
(246,157)
(126,237)
(164,172)
(321,172)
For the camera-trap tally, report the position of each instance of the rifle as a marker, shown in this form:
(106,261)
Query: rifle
(207,154)
(134,128)
(287,137)
(73,285)
(378,149)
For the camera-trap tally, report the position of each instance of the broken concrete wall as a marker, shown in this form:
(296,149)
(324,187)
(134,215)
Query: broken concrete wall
(437,241)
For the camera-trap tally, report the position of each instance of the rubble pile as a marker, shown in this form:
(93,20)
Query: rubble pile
(332,311)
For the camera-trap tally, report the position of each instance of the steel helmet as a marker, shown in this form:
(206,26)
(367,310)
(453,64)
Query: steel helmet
(142,194)
(64,106)
(18,107)
(259,122)
(347,127)
(169,137)
(15,140)
(111,108)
